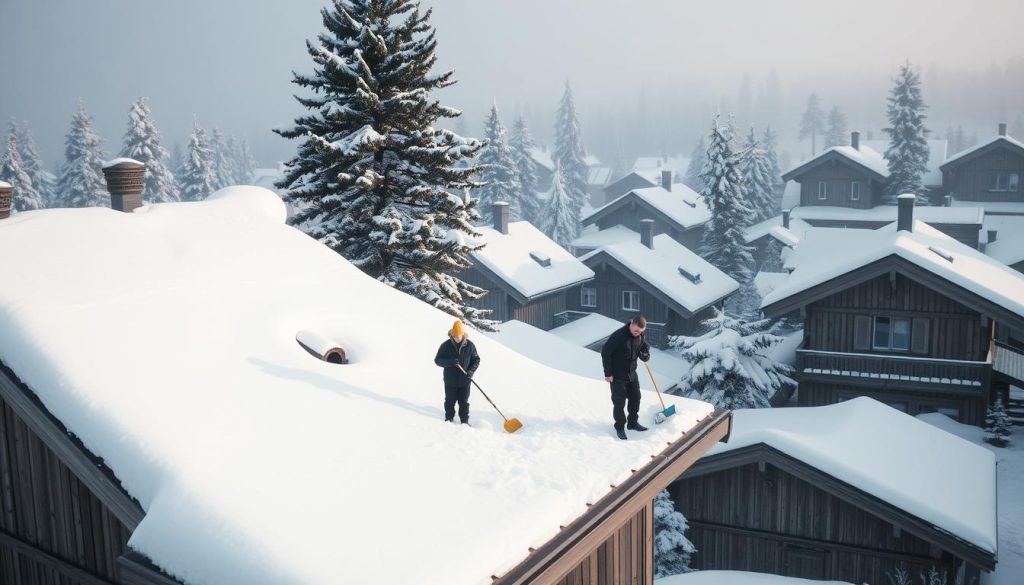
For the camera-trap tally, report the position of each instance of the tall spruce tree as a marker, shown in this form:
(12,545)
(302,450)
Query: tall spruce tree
(693,170)
(498,170)
(812,122)
(223,160)
(723,243)
(907,153)
(770,144)
(198,176)
(672,550)
(522,145)
(24,196)
(569,152)
(757,180)
(81,182)
(561,220)
(730,364)
(41,180)
(142,143)
(837,132)
(376,177)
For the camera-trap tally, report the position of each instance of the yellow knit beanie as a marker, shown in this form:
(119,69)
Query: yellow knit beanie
(457,330)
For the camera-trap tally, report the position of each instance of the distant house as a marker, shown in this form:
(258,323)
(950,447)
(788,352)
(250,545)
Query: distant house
(653,167)
(781,228)
(988,175)
(850,492)
(653,275)
(961,223)
(526,273)
(598,176)
(676,209)
(904,314)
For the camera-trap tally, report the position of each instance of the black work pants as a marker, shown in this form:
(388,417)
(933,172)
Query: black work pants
(453,394)
(625,394)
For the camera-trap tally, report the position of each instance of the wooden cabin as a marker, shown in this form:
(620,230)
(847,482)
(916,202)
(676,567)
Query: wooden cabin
(988,175)
(621,186)
(850,492)
(904,314)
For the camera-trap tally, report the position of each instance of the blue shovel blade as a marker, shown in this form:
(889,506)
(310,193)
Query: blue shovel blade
(669,411)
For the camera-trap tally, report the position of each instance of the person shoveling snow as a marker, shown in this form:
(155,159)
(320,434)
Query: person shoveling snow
(619,356)
(458,356)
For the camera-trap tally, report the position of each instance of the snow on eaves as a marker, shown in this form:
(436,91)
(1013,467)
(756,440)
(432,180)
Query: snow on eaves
(682,204)
(865,156)
(930,214)
(587,330)
(773,226)
(1008,140)
(910,464)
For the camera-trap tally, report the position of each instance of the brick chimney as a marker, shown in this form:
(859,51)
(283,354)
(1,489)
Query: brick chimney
(905,214)
(6,191)
(785,218)
(666,180)
(855,140)
(647,233)
(499,214)
(1002,129)
(125,179)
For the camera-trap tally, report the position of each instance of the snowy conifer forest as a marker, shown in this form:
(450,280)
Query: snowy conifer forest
(340,291)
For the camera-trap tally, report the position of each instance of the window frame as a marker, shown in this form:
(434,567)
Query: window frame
(635,294)
(584,290)
(854,190)
(822,190)
(892,319)
(1005,182)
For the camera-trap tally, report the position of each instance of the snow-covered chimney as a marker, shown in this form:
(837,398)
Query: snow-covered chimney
(6,190)
(905,213)
(1002,129)
(666,180)
(855,140)
(992,236)
(647,233)
(785,218)
(499,214)
(125,179)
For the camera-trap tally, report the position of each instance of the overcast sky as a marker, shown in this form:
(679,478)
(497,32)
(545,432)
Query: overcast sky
(229,62)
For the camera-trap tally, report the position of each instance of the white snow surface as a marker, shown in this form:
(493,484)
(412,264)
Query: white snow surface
(1007,249)
(773,226)
(910,464)
(593,237)
(650,167)
(1008,140)
(682,204)
(765,282)
(826,253)
(660,268)
(738,578)
(968,215)
(117,161)
(508,256)
(586,330)
(168,347)
(791,195)
(864,156)
(6,185)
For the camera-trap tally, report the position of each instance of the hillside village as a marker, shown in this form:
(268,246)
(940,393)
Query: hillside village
(214,372)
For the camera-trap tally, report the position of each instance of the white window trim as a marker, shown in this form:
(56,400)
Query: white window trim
(855,191)
(583,297)
(625,295)
(822,191)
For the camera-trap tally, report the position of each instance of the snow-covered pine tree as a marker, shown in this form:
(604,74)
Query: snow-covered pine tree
(561,220)
(770,142)
(41,180)
(142,143)
(693,170)
(723,244)
(377,180)
(498,170)
(997,424)
(198,178)
(837,132)
(772,257)
(24,197)
(757,180)
(812,122)
(907,153)
(522,144)
(81,182)
(244,163)
(223,161)
(730,365)
(569,152)
(672,550)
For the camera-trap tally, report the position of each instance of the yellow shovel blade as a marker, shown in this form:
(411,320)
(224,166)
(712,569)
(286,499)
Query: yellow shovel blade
(512,425)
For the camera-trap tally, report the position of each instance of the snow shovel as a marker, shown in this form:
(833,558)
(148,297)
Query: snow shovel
(511,424)
(659,417)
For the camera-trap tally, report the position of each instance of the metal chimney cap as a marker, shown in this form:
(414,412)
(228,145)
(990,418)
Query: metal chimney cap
(123,163)
(907,196)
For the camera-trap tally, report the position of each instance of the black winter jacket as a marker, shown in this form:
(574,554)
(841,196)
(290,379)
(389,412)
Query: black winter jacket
(620,352)
(450,354)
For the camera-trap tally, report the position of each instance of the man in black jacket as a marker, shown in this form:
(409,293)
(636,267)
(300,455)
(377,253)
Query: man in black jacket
(619,356)
(457,351)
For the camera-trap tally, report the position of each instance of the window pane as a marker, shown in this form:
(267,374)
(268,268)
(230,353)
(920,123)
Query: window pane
(822,190)
(881,333)
(855,190)
(1000,181)
(1014,181)
(901,334)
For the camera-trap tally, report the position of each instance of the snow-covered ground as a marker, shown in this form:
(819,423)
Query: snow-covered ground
(738,578)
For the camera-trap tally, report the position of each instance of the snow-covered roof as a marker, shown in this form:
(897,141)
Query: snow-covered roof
(925,471)
(650,167)
(826,253)
(122,160)
(594,237)
(587,330)
(6,185)
(936,157)
(527,260)
(167,346)
(661,268)
(1006,140)
(765,282)
(791,195)
(966,215)
(1007,249)
(682,204)
(865,156)
(993,207)
(773,226)
(738,578)
(599,176)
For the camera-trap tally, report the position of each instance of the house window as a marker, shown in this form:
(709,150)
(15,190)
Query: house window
(630,300)
(855,191)
(891,333)
(588,296)
(822,190)
(1005,182)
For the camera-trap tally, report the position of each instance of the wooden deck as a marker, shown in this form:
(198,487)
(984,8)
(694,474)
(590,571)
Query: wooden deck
(1009,362)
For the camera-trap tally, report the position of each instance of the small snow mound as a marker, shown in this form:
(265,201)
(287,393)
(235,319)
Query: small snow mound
(253,201)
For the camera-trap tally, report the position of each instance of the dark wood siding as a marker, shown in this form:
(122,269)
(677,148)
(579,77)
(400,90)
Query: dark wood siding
(630,213)
(540,313)
(627,558)
(622,186)
(839,175)
(971,180)
(971,406)
(496,300)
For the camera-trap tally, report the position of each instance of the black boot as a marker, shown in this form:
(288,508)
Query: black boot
(620,433)
(636,427)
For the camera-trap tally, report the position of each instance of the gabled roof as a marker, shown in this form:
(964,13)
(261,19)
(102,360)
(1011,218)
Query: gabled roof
(773,227)
(527,261)
(828,258)
(681,206)
(946,482)
(886,213)
(650,167)
(936,157)
(167,346)
(587,330)
(599,176)
(996,141)
(659,268)
(866,157)
(594,237)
